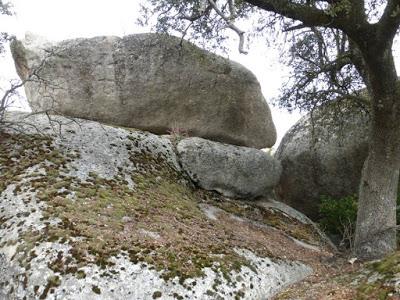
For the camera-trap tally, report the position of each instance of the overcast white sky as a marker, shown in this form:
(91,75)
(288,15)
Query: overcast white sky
(62,19)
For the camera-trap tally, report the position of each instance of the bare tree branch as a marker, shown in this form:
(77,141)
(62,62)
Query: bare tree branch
(231,25)
(295,27)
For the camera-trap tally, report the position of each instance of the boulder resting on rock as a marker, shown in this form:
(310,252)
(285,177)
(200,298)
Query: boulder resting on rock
(233,171)
(152,82)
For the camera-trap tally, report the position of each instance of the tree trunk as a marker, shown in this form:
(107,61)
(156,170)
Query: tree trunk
(376,219)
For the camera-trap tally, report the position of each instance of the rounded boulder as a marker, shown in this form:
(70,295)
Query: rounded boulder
(152,82)
(236,172)
(322,157)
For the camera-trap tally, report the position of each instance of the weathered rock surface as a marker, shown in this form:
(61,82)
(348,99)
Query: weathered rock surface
(328,163)
(149,82)
(233,171)
(89,211)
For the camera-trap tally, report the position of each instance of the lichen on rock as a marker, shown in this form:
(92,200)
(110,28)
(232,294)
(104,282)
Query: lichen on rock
(99,211)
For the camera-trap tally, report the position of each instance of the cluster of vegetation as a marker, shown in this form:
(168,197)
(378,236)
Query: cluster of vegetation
(338,217)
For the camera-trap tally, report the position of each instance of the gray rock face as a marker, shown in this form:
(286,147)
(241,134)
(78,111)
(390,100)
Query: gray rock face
(327,163)
(72,196)
(231,170)
(150,82)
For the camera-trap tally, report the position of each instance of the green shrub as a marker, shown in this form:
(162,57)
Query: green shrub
(337,215)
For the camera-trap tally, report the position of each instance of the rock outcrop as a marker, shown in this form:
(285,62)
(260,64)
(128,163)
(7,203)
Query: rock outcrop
(236,172)
(322,160)
(151,82)
(97,212)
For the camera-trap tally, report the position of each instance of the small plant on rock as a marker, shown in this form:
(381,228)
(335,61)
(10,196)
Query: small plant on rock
(178,133)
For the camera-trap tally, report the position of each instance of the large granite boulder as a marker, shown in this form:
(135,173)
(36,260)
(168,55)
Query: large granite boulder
(90,211)
(233,171)
(322,158)
(148,81)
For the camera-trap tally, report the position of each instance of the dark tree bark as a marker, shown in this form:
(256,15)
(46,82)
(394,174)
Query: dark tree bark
(376,218)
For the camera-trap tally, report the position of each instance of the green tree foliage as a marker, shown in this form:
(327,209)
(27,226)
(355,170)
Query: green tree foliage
(322,73)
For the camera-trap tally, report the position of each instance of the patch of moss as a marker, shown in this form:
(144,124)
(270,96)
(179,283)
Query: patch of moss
(177,296)
(19,152)
(389,266)
(384,272)
(3,220)
(374,291)
(157,295)
(80,274)
(52,282)
(96,289)
(239,295)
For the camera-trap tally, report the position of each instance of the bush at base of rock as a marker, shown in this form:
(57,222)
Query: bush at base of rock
(338,218)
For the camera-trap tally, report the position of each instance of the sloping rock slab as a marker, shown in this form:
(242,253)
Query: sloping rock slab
(233,171)
(89,211)
(147,81)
